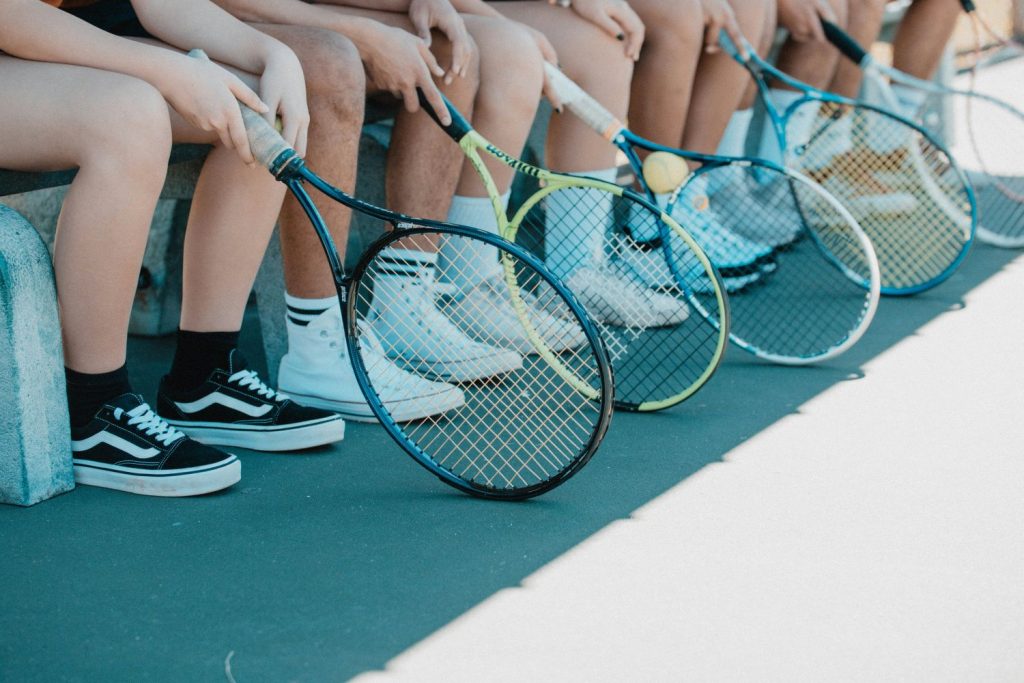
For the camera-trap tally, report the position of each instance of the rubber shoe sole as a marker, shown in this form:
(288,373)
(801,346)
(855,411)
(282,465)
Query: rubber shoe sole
(276,438)
(194,481)
(408,410)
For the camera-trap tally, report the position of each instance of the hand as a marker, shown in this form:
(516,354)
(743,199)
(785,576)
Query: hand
(401,63)
(428,14)
(718,17)
(283,88)
(802,18)
(207,96)
(617,19)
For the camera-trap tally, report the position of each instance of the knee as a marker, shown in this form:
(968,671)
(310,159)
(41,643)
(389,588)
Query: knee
(511,67)
(335,79)
(672,23)
(130,133)
(463,89)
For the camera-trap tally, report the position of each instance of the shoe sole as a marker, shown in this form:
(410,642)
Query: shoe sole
(464,371)
(260,438)
(172,484)
(407,411)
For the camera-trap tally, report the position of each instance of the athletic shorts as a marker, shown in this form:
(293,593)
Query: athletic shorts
(113,16)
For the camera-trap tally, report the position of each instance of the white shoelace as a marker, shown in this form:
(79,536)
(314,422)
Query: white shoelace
(247,379)
(145,420)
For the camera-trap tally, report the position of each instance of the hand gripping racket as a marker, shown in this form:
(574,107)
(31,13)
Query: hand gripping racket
(820,289)
(664,344)
(533,419)
(899,182)
(988,132)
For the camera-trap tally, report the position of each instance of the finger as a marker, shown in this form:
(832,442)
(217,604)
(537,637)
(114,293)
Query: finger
(817,32)
(410,100)
(436,101)
(633,28)
(552,94)
(460,55)
(732,29)
(240,141)
(302,140)
(825,11)
(609,26)
(711,36)
(431,61)
(290,132)
(421,23)
(274,104)
(246,95)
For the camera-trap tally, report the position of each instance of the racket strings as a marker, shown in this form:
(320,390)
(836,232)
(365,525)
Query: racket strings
(520,375)
(609,250)
(814,294)
(901,189)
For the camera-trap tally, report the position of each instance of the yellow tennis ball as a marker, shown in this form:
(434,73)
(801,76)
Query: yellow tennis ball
(278,124)
(664,171)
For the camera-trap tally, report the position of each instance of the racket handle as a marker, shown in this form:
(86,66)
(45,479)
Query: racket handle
(968,6)
(459,126)
(850,48)
(266,144)
(579,102)
(733,50)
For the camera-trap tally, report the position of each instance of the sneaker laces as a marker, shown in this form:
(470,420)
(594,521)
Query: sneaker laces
(143,419)
(434,321)
(248,379)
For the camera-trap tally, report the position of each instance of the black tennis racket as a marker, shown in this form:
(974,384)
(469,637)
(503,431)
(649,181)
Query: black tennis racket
(815,296)
(525,426)
(897,179)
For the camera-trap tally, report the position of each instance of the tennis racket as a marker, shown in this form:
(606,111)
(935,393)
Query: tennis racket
(664,344)
(898,181)
(819,291)
(988,132)
(517,432)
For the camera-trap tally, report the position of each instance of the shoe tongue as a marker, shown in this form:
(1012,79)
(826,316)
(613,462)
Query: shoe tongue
(126,402)
(236,361)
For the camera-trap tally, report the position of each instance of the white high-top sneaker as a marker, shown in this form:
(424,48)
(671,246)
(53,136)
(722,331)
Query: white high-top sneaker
(486,312)
(419,337)
(318,372)
(614,299)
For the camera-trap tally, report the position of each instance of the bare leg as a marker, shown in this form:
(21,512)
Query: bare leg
(922,36)
(864,24)
(121,141)
(812,62)
(593,59)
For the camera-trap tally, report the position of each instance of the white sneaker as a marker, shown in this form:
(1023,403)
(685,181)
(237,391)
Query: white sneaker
(318,372)
(420,338)
(615,299)
(862,202)
(486,312)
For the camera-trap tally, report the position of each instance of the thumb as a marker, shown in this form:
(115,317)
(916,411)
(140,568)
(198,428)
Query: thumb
(246,95)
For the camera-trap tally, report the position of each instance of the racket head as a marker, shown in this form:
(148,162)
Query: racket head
(511,435)
(899,182)
(603,241)
(818,293)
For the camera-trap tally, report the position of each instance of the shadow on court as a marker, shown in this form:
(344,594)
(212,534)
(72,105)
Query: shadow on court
(322,565)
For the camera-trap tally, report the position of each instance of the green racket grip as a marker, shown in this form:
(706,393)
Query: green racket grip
(580,103)
(850,48)
(266,144)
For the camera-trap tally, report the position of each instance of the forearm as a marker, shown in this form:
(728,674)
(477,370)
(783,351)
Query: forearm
(188,24)
(296,12)
(381,5)
(478,7)
(32,30)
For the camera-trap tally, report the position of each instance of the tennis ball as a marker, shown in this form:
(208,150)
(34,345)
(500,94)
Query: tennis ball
(278,124)
(664,171)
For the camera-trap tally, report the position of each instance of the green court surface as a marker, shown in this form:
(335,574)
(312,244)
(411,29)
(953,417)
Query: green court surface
(328,564)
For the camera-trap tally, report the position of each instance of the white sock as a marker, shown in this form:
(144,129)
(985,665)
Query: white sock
(465,263)
(302,311)
(734,139)
(574,236)
(910,100)
(797,126)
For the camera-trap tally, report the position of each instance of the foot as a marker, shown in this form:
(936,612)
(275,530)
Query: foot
(864,199)
(317,371)
(733,255)
(421,339)
(761,209)
(613,298)
(487,313)
(234,407)
(127,447)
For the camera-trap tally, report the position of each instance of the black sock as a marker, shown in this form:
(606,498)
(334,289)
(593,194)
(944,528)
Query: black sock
(199,354)
(87,392)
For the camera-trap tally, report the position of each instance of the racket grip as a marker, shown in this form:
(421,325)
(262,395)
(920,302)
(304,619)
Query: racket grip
(968,5)
(579,102)
(850,48)
(266,144)
(459,126)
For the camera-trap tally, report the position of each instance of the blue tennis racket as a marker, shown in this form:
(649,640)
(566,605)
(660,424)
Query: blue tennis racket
(987,131)
(802,276)
(897,179)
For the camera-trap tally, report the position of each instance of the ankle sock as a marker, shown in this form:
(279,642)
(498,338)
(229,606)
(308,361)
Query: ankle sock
(302,311)
(734,139)
(198,354)
(576,222)
(88,392)
(465,263)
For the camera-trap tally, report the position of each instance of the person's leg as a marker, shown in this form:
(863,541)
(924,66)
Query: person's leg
(120,144)
(813,61)
(863,25)
(922,36)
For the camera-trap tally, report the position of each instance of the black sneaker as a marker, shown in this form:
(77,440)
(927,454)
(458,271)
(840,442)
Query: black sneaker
(127,447)
(235,408)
